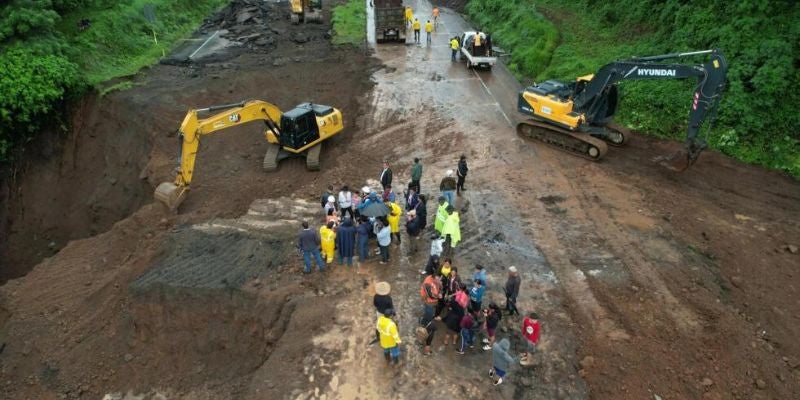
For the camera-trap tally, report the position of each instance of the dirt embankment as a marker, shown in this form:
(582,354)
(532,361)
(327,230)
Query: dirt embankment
(88,319)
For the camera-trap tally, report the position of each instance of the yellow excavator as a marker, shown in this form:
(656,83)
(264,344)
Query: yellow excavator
(306,11)
(297,132)
(577,116)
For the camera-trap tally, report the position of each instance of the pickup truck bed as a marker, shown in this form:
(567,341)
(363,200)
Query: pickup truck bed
(480,56)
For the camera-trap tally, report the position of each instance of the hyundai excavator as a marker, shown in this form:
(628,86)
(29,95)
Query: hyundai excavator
(297,132)
(306,11)
(577,116)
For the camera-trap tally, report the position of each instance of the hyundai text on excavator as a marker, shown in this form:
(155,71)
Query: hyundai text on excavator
(577,116)
(297,132)
(306,11)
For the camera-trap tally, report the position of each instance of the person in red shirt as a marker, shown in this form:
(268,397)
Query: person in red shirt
(530,330)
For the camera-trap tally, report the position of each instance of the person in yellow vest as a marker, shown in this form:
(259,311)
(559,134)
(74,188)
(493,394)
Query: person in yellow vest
(454,47)
(409,16)
(435,15)
(416,27)
(441,215)
(394,219)
(428,31)
(390,338)
(451,231)
(327,238)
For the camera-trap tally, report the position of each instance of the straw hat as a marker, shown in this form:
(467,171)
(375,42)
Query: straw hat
(382,288)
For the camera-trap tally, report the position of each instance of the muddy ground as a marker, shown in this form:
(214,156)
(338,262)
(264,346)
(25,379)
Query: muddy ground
(651,284)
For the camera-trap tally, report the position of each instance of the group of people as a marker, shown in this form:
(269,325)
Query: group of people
(414,23)
(448,301)
(353,218)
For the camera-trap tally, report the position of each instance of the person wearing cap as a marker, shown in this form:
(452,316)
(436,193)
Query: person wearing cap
(386,175)
(462,174)
(382,302)
(451,231)
(330,205)
(512,290)
(530,331)
(413,229)
(327,241)
(389,337)
(448,187)
(441,214)
(346,241)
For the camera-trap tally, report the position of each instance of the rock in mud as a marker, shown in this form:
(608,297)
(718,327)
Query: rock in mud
(707,382)
(300,38)
(243,16)
(587,362)
(736,281)
(790,248)
(761,384)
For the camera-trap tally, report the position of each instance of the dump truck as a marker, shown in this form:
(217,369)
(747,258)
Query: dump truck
(477,53)
(390,24)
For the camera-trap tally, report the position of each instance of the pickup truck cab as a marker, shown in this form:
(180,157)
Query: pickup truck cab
(477,56)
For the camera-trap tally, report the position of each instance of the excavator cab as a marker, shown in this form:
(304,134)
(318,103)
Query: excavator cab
(299,125)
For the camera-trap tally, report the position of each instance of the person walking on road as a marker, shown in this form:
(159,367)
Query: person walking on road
(382,302)
(346,241)
(435,15)
(448,187)
(386,175)
(416,26)
(530,331)
(501,360)
(327,241)
(416,175)
(512,290)
(428,32)
(309,243)
(389,337)
(454,48)
(462,174)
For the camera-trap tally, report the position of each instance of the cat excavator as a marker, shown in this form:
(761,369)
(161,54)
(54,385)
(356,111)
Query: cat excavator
(306,11)
(297,132)
(577,116)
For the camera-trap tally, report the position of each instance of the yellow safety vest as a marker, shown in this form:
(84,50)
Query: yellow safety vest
(452,228)
(388,332)
(416,25)
(428,27)
(454,44)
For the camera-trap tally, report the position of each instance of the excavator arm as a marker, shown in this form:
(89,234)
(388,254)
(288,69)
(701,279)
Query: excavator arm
(193,128)
(597,99)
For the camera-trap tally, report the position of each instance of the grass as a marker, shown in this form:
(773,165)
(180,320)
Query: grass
(122,40)
(350,22)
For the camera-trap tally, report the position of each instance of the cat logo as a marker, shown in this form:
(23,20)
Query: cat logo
(234,117)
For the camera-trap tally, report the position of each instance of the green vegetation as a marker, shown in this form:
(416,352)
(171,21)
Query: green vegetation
(757,120)
(45,58)
(350,22)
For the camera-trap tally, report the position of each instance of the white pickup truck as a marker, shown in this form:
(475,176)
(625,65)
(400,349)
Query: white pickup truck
(477,56)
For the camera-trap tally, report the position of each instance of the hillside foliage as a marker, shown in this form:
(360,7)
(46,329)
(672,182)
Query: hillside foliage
(47,58)
(757,121)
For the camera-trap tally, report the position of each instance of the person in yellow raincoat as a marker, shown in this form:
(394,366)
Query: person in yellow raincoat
(394,219)
(441,215)
(409,15)
(451,231)
(389,337)
(327,238)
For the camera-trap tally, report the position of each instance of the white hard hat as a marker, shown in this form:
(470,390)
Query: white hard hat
(365,189)
(331,199)
(512,269)
(449,172)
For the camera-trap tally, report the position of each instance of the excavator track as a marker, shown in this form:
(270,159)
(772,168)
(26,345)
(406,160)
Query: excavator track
(312,157)
(271,157)
(618,135)
(579,144)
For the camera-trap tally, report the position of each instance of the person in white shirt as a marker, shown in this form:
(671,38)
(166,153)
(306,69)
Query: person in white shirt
(346,202)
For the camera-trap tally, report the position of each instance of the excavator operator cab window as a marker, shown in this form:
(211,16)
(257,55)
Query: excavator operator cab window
(299,128)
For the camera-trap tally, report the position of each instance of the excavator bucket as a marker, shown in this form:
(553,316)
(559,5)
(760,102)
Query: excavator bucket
(171,195)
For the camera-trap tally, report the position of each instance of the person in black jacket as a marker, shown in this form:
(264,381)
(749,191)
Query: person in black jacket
(512,290)
(462,174)
(382,302)
(413,229)
(386,175)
